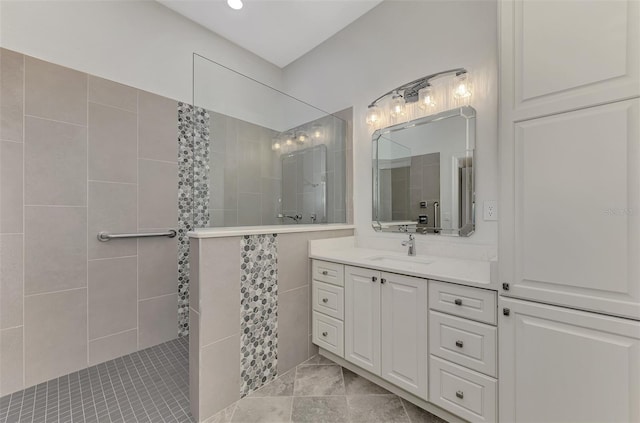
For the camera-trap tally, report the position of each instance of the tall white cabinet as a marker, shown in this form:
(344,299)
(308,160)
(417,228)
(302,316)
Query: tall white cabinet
(569,211)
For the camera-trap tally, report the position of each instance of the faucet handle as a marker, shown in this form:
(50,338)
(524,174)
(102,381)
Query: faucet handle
(412,237)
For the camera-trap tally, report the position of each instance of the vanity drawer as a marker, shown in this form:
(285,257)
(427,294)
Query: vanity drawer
(463,341)
(325,271)
(328,299)
(328,333)
(464,301)
(463,392)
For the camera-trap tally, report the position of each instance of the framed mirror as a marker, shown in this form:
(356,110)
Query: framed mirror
(423,175)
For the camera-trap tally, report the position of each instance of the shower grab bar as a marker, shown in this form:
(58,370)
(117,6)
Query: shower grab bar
(106,236)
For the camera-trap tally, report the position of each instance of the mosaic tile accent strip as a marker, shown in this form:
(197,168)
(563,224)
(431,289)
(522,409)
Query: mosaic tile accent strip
(193,194)
(259,311)
(151,385)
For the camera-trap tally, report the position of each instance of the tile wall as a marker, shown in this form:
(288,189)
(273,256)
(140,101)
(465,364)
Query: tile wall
(218,323)
(79,155)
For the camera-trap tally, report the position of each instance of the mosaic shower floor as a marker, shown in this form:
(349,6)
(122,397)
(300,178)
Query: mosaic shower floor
(152,385)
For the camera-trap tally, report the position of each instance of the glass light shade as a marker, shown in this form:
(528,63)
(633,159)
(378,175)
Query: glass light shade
(373,115)
(397,105)
(288,139)
(316,132)
(302,137)
(425,98)
(462,86)
(235,4)
(275,145)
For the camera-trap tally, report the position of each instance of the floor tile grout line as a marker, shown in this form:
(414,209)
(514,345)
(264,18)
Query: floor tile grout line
(155,384)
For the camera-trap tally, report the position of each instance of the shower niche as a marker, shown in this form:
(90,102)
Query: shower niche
(262,157)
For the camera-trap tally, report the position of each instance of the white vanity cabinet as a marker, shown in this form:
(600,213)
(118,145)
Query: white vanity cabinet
(385,326)
(564,365)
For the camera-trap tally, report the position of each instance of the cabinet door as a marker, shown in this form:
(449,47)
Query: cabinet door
(575,234)
(563,365)
(562,55)
(362,318)
(404,332)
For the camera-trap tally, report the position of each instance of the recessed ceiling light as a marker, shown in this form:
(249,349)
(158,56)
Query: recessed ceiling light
(235,4)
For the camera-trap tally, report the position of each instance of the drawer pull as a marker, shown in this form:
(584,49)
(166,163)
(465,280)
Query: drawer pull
(458,301)
(459,344)
(460,394)
(383,280)
(324,272)
(325,334)
(325,300)
(374,279)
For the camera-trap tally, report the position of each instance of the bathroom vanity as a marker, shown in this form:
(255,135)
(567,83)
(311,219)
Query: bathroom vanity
(423,327)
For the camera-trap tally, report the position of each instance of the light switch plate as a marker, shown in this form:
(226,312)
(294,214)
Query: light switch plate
(490,210)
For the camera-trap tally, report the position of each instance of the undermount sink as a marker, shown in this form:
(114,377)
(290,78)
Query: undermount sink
(400,260)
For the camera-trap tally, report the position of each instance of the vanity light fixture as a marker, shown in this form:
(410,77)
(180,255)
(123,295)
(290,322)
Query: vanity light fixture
(235,4)
(316,131)
(275,144)
(302,137)
(420,91)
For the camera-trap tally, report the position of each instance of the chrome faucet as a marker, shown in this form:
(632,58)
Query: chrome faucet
(411,244)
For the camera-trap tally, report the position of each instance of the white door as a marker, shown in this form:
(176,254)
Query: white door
(575,234)
(362,318)
(563,55)
(563,365)
(404,332)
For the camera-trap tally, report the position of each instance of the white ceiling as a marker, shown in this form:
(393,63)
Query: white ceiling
(279,31)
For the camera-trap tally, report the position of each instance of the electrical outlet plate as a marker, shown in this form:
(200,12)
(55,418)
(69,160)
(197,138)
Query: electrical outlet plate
(490,210)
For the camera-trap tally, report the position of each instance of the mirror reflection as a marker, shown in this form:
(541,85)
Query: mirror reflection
(424,175)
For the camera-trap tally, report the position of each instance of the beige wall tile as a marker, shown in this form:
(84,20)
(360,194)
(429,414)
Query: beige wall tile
(113,346)
(157,320)
(55,92)
(219,288)
(55,163)
(11,199)
(55,334)
(158,127)
(112,208)
(194,363)
(158,194)
(219,376)
(11,363)
(293,261)
(157,267)
(111,93)
(11,280)
(55,249)
(194,273)
(112,296)
(112,144)
(293,328)
(11,95)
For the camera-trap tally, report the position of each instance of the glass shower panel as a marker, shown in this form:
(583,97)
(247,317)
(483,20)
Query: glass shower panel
(262,157)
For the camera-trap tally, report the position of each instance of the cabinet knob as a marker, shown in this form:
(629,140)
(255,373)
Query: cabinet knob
(383,280)
(506,311)
(458,301)
(459,344)
(325,300)
(374,279)
(324,272)
(460,394)
(325,334)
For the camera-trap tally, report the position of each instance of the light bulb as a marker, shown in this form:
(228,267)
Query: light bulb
(425,98)
(235,4)
(463,87)
(373,115)
(397,105)
(289,139)
(275,146)
(316,131)
(302,137)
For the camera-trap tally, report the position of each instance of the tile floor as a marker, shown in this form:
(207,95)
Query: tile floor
(321,391)
(152,386)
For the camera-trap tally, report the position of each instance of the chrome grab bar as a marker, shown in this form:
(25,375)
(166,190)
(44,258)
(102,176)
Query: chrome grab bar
(106,236)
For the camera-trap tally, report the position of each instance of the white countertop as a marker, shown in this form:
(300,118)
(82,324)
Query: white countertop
(267,229)
(475,273)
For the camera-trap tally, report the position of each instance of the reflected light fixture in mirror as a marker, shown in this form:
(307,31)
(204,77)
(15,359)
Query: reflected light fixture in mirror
(421,94)
(302,137)
(275,144)
(316,131)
